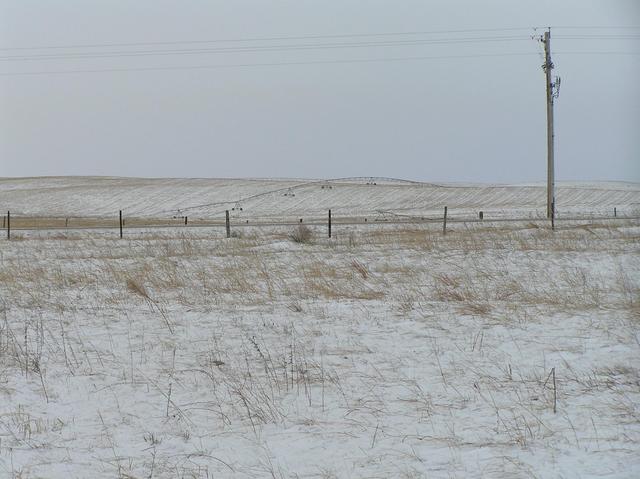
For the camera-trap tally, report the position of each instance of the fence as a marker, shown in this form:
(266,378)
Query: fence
(120,223)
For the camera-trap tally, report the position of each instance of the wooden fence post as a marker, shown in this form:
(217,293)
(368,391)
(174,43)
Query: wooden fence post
(120,224)
(185,221)
(8,225)
(481,215)
(615,212)
(444,222)
(227,224)
(553,215)
(329,224)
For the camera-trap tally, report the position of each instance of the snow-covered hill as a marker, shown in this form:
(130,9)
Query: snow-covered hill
(148,197)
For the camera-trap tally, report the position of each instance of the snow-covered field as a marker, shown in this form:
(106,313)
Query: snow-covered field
(498,350)
(274,199)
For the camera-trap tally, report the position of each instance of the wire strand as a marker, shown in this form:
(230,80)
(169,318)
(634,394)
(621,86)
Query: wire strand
(320,62)
(274,38)
(270,64)
(255,49)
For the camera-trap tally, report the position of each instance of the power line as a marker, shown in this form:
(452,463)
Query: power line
(599,37)
(275,38)
(270,64)
(293,47)
(597,53)
(304,37)
(601,27)
(255,49)
(307,37)
(320,62)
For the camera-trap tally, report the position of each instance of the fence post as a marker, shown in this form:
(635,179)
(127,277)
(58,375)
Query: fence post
(615,212)
(8,225)
(553,215)
(329,224)
(120,224)
(555,394)
(444,222)
(481,215)
(227,224)
(185,221)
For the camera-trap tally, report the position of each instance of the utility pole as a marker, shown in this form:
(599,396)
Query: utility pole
(552,92)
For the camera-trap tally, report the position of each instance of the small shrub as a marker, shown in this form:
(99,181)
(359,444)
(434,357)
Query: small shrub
(301,234)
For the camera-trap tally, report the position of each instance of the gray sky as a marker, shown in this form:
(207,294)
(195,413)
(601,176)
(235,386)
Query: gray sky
(470,118)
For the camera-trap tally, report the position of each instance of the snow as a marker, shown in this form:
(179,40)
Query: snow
(386,351)
(286,199)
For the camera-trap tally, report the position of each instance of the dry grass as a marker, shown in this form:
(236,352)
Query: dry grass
(206,271)
(136,287)
(301,234)
(397,342)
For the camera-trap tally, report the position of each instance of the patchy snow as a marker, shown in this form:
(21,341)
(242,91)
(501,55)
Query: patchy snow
(387,351)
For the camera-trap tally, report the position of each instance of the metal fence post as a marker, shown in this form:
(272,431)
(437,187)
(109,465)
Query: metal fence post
(444,222)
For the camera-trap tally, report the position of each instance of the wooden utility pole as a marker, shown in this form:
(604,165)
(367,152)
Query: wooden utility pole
(120,217)
(329,224)
(547,67)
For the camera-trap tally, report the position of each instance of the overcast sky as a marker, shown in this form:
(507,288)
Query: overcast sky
(285,105)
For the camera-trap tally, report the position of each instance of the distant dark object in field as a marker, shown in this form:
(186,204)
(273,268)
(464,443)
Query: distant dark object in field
(301,234)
